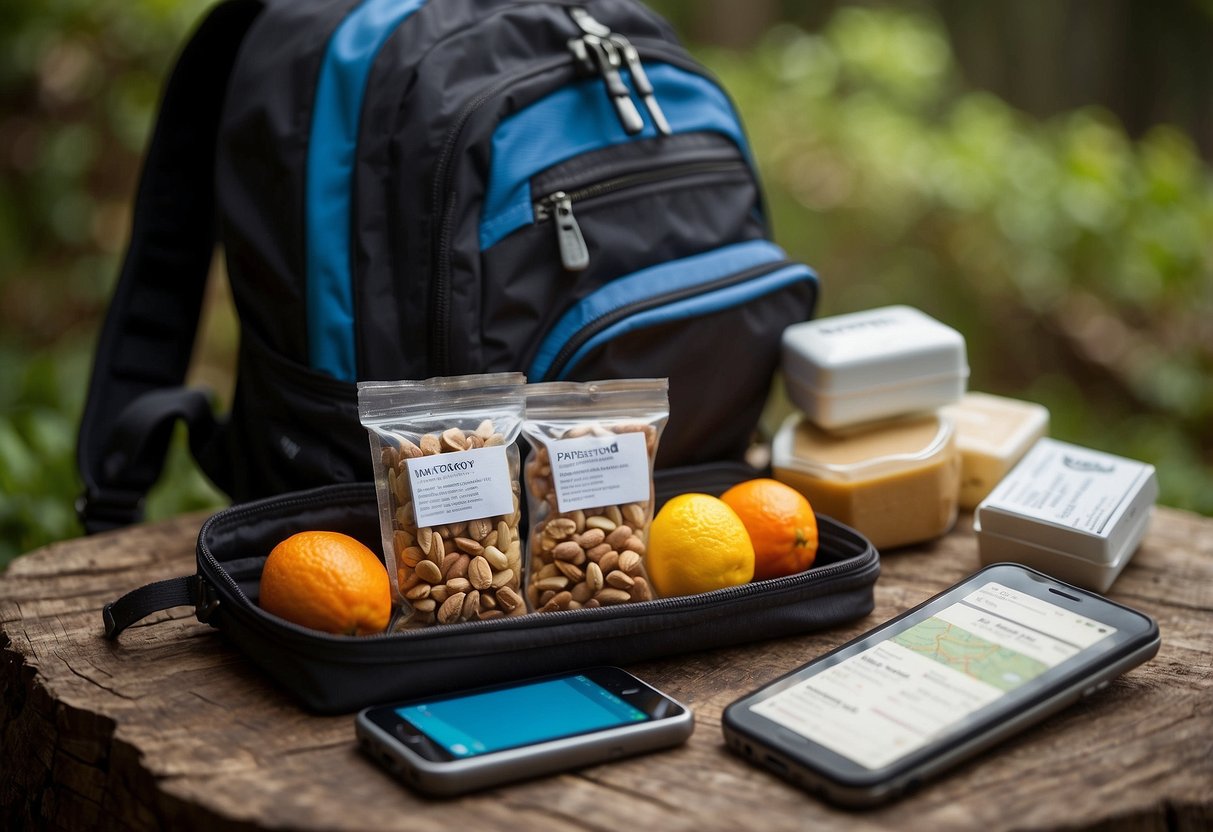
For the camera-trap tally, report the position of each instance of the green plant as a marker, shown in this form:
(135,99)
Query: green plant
(79,83)
(1076,261)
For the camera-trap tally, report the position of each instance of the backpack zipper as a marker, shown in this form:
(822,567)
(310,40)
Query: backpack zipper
(607,319)
(574,254)
(442,210)
(599,49)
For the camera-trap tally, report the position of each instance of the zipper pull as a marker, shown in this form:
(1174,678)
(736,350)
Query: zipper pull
(607,56)
(595,44)
(643,86)
(574,254)
(586,23)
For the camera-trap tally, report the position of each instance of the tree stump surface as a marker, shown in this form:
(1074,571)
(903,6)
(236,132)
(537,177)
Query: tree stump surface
(172,727)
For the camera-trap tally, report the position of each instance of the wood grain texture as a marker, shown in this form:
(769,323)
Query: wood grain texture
(172,727)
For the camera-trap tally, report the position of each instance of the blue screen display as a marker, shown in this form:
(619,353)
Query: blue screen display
(484,722)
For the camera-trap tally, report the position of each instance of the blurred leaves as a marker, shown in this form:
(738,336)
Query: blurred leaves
(1078,262)
(79,85)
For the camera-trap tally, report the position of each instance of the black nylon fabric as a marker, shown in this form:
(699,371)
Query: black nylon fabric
(337,674)
(261,168)
(426,300)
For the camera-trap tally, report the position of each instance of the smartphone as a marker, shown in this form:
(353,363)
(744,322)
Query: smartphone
(998,651)
(456,743)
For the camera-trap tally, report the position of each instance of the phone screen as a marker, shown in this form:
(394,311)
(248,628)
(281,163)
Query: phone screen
(902,693)
(510,717)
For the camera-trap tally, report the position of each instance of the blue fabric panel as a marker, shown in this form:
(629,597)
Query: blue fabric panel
(336,116)
(696,306)
(580,118)
(663,279)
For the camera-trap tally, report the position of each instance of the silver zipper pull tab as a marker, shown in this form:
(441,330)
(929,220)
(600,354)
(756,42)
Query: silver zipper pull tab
(586,23)
(574,254)
(606,54)
(643,86)
(597,45)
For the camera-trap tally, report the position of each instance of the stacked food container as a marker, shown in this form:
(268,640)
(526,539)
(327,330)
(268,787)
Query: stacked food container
(887,440)
(870,446)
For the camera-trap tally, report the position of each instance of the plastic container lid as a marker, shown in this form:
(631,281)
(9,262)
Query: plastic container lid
(856,456)
(871,365)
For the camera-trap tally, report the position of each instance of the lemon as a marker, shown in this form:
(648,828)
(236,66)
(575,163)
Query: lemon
(697,544)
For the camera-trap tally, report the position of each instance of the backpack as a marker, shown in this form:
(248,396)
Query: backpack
(407,189)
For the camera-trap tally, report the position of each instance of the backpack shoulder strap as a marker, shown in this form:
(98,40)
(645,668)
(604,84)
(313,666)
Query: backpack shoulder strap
(135,394)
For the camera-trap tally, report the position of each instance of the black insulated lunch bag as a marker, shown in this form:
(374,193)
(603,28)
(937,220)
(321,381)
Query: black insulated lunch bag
(416,188)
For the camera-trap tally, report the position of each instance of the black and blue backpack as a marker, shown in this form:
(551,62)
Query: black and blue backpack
(413,188)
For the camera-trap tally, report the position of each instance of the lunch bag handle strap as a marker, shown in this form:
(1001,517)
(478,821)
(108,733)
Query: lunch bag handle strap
(148,336)
(185,591)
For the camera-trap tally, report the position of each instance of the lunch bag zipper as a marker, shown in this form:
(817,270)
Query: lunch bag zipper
(558,205)
(254,617)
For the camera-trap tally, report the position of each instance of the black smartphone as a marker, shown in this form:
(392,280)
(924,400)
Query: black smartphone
(460,742)
(998,651)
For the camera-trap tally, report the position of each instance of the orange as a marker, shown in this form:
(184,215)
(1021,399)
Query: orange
(781,524)
(327,581)
(697,544)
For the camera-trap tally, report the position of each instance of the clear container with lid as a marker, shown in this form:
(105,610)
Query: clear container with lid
(896,482)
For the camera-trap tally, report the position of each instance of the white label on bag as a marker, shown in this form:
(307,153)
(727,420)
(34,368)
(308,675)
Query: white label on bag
(593,471)
(459,486)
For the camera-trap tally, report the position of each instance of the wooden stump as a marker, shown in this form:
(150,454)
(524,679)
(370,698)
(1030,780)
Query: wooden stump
(172,727)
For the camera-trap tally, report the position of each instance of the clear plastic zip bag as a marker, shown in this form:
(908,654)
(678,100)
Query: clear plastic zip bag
(446,465)
(589,481)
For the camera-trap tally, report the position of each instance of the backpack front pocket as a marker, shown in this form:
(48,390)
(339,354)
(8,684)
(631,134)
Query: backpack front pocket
(606,214)
(705,322)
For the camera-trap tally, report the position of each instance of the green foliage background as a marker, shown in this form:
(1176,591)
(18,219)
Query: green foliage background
(1077,262)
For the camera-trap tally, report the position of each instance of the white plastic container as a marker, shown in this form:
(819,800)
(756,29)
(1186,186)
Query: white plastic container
(993,433)
(871,365)
(1071,512)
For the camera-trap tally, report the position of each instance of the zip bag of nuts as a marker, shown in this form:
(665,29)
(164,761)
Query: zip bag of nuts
(446,475)
(589,483)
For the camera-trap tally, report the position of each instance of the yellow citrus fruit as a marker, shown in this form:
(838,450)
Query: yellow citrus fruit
(697,544)
(327,581)
(781,523)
